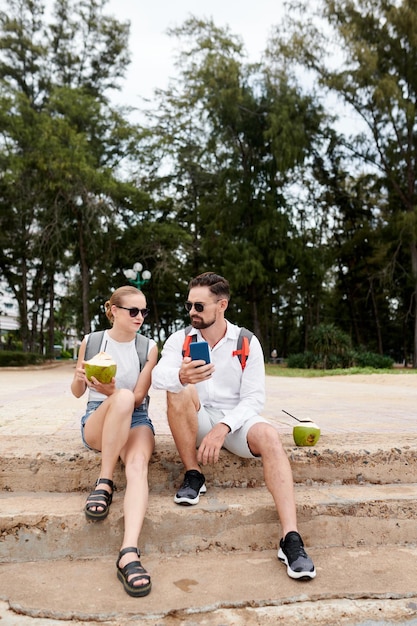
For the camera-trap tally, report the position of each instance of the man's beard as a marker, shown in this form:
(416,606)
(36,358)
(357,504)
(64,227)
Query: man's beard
(201,324)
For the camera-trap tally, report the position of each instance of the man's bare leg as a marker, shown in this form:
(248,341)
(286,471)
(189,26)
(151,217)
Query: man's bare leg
(264,440)
(182,411)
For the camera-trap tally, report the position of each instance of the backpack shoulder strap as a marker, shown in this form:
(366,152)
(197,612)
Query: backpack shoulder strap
(187,340)
(243,346)
(142,345)
(95,339)
(93,344)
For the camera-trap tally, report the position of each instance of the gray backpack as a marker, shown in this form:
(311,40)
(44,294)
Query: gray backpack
(94,343)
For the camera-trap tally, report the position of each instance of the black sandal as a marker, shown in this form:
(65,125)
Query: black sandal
(99,498)
(135,567)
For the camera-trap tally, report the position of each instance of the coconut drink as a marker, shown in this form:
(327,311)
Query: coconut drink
(102,367)
(306,434)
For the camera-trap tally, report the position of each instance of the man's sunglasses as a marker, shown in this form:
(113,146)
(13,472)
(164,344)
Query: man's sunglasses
(134,311)
(199,306)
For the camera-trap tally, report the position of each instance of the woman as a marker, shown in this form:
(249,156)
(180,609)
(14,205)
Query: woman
(117,424)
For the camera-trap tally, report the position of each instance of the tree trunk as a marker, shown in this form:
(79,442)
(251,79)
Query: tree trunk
(85,280)
(256,325)
(51,326)
(376,315)
(22,299)
(414,273)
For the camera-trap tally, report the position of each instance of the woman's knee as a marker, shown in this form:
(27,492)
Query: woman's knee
(124,399)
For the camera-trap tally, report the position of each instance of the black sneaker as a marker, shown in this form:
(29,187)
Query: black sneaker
(193,485)
(291,552)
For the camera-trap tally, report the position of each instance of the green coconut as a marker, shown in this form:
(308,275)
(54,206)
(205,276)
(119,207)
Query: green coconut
(306,434)
(102,367)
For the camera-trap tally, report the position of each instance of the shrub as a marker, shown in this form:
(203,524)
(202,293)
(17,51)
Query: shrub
(19,359)
(307,360)
(370,359)
(330,345)
(304,361)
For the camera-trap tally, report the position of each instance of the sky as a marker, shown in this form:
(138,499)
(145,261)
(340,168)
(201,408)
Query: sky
(152,49)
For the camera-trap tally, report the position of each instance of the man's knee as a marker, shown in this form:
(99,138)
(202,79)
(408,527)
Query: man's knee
(180,402)
(261,437)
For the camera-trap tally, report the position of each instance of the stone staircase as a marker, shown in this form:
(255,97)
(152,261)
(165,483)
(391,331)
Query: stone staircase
(214,563)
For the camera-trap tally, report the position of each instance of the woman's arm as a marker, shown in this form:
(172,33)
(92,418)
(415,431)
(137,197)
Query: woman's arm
(144,381)
(79,382)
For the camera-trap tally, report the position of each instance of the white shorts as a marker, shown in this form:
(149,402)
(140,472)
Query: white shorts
(236,442)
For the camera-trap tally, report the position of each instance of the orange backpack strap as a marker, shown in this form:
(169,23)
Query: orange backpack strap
(188,339)
(243,346)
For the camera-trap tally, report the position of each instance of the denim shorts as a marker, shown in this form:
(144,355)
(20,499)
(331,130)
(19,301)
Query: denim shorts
(139,418)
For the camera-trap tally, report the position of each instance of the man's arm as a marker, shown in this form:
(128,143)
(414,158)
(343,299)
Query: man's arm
(252,389)
(165,374)
(174,372)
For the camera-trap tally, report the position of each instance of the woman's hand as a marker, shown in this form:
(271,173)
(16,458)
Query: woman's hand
(79,375)
(106,389)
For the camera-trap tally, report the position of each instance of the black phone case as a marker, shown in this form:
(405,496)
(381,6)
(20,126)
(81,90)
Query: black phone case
(200,350)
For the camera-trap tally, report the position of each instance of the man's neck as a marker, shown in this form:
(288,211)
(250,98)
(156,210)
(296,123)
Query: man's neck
(214,333)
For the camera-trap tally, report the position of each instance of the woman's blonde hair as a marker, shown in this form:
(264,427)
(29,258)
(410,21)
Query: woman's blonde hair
(117,299)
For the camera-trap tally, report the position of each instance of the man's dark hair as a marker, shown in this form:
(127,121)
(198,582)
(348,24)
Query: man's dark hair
(218,285)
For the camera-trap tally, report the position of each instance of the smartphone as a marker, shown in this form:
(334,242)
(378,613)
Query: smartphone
(200,350)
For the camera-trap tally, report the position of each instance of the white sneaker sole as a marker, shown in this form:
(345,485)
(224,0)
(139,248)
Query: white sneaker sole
(291,573)
(190,501)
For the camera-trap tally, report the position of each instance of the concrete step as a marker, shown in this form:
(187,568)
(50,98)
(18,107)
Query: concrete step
(43,525)
(213,564)
(216,588)
(61,465)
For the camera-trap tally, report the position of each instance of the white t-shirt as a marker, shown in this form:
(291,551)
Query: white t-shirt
(126,357)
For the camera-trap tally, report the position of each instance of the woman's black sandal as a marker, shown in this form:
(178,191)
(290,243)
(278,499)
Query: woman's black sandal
(99,501)
(135,567)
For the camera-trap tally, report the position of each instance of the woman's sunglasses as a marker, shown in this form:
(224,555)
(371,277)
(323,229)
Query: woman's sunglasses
(134,311)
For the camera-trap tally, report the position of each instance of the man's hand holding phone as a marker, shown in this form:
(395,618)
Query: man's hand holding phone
(199,351)
(197,367)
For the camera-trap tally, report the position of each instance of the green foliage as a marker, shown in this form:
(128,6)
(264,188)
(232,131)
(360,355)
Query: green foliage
(19,359)
(331,349)
(63,143)
(239,169)
(350,360)
(287,372)
(304,360)
(375,45)
(370,359)
(233,133)
(342,361)
(328,339)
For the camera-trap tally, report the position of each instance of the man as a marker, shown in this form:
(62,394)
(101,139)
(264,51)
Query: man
(217,405)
